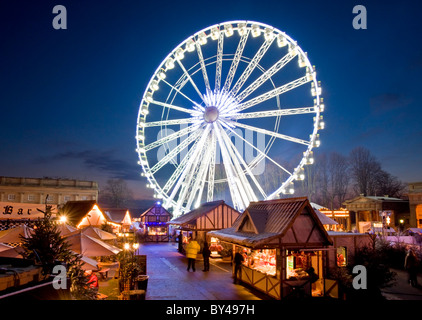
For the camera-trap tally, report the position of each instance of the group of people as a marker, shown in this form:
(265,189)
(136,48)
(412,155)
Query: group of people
(192,250)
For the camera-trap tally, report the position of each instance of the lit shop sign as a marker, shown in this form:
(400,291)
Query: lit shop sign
(155,223)
(22,210)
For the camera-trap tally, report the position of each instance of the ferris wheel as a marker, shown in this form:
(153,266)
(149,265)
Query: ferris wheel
(230,109)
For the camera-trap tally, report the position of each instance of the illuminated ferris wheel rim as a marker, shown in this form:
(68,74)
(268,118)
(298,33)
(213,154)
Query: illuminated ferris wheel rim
(209,112)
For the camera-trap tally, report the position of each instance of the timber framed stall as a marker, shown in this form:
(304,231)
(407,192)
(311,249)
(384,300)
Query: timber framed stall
(208,217)
(155,221)
(284,245)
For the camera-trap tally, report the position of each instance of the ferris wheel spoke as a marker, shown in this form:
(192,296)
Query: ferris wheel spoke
(190,177)
(175,175)
(255,148)
(198,179)
(188,167)
(174,107)
(219,61)
(168,157)
(170,137)
(203,68)
(251,66)
(266,75)
(238,160)
(236,60)
(235,186)
(202,179)
(199,107)
(189,78)
(273,93)
(274,113)
(211,171)
(170,122)
(271,133)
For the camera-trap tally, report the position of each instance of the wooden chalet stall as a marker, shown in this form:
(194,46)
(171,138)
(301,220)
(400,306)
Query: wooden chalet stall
(155,221)
(86,213)
(209,216)
(120,216)
(281,240)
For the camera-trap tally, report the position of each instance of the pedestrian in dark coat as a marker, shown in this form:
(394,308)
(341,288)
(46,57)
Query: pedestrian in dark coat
(238,260)
(206,252)
(411,265)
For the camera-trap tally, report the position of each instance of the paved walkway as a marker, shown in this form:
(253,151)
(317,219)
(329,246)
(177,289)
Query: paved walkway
(169,280)
(402,290)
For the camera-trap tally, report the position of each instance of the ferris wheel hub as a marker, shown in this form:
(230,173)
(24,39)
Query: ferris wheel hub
(211,114)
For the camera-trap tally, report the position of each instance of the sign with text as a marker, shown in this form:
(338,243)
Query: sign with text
(14,210)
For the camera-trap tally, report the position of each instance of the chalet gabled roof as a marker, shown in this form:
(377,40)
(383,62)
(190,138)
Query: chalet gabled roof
(196,213)
(158,207)
(75,211)
(115,214)
(269,219)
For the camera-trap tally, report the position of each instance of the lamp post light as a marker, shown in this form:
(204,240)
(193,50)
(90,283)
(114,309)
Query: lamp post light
(401,222)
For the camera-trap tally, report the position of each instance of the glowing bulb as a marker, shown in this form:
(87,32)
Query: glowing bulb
(281,40)
(190,45)
(228,30)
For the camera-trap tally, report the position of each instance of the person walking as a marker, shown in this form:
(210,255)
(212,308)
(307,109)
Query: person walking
(206,252)
(411,265)
(191,252)
(238,260)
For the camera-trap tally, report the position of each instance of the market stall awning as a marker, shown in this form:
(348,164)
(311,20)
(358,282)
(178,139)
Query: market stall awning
(290,221)
(10,252)
(13,235)
(65,229)
(89,246)
(98,233)
(414,230)
(324,219)
(89,264)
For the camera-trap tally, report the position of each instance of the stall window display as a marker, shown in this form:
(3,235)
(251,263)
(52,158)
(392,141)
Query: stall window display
(263,260)
(157,231)
(341,256)
(215,246)
(297,264)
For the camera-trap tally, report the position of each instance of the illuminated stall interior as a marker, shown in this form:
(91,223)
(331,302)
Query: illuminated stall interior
(282,241)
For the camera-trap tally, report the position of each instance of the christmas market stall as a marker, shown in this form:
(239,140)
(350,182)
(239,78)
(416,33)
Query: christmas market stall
(284,246)
(209,216)
(85,213)
(155,221)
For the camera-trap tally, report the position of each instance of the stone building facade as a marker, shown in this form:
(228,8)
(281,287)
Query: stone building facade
(35,190)
(365,212)
(415,203)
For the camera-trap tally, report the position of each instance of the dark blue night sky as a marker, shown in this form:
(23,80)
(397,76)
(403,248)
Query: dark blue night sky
(69,98)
